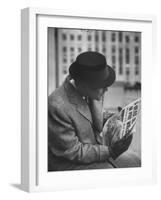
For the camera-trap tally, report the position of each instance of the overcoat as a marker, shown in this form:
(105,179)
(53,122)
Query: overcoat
(72,138)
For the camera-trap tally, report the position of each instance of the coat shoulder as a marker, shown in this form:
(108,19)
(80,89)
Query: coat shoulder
(58,100)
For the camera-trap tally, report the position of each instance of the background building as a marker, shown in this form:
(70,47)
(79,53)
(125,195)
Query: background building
(122,50)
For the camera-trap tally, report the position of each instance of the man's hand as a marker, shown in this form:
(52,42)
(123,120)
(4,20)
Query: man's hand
(112,130)
(120,146)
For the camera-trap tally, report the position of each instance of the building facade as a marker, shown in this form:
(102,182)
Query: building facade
(122,50)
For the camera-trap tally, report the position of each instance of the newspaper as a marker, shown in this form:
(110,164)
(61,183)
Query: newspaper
(122,123)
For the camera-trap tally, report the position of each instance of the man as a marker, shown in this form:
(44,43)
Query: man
(75,120)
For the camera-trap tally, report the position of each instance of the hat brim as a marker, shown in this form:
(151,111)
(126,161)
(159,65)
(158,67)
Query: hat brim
(111,76)
(98,79)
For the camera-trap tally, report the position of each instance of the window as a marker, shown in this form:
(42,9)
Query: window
(120,51)
(113,49)
(97,49)
(136,65)
(136,49)
(89,37)
(136,70)
(72,49)
(120,60)
(103,36)
(65,70)
(120,64)
(127,38)
(79,49)
(64,36)
(127,71)
(113,59)
(96,37)
(120,36)
(127,56)
(79,37)
(71,37)
(104,50)
(71,60)
(136,60)
(113,37)
(136,39)
(64,49)
(120,69)
(64,60)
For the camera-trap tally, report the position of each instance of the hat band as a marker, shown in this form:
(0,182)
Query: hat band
(93,76)
(90,68)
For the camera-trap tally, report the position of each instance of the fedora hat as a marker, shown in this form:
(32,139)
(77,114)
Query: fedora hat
(91,67)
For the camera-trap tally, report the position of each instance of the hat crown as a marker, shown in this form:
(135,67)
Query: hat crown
(92,68)
(91,60)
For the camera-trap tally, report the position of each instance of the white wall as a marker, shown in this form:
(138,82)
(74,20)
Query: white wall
(10,97)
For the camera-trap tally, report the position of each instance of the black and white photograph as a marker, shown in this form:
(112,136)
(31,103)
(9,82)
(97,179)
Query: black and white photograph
(88,82)
(80,100)
(94,99)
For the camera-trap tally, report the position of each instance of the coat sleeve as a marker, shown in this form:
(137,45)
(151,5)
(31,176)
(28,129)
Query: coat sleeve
(63,141)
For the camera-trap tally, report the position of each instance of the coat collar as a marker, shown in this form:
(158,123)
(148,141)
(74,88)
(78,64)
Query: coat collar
(76,99)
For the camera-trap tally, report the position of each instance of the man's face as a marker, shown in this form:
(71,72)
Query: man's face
(95,93)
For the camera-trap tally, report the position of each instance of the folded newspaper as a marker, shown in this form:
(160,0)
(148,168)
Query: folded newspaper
(121,124)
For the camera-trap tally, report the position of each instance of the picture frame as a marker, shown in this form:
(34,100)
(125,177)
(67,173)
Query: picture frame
(34,174)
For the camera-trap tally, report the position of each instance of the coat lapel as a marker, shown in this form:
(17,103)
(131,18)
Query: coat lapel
(97,113)
(76,99)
